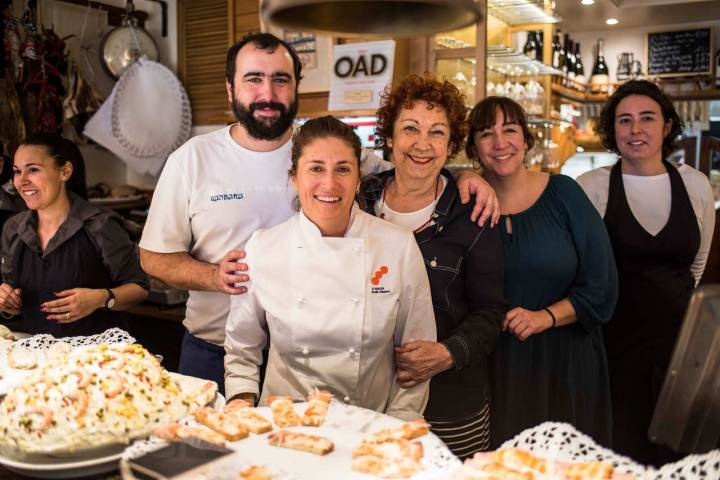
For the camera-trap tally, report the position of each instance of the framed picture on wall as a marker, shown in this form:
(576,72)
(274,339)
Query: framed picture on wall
(315,52)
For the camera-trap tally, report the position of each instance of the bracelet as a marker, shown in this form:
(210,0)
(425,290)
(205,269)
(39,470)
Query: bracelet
(6,315)
(551,315)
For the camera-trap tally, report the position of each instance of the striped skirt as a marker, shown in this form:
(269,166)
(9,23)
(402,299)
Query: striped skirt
(467,436)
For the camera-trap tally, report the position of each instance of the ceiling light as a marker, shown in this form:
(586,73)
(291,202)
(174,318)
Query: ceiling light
(612,21)
(587,2)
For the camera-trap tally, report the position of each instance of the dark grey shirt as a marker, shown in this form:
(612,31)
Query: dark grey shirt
(104,228)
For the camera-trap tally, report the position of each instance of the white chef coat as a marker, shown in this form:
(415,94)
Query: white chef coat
(333,313)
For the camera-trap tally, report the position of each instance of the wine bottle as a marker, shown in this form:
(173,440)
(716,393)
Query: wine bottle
(570,60)
(565,54)
(540,38)
(530,48)
(599,80)
(579,70)
(556,52)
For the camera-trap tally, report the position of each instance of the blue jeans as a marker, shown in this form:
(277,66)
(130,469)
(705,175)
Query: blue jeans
(202,359)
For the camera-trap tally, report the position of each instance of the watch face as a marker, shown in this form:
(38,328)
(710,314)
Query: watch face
(110,303)
(120,49)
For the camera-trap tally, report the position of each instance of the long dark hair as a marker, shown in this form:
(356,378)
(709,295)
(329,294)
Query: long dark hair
(606,125)
(63,150)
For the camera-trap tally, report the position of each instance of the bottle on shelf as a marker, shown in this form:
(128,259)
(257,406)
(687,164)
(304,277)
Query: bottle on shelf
(540,38)
(599,81)
(570,61)
(556,52)
(579,70)
(531,47)
(717,69)
(565,54)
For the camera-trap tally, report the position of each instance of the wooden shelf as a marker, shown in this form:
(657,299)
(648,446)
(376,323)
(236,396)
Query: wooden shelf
(579,96)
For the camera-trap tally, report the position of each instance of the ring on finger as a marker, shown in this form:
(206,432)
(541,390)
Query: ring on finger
(67,316)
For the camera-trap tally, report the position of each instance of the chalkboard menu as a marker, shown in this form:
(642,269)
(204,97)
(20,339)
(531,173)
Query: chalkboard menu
(679,53)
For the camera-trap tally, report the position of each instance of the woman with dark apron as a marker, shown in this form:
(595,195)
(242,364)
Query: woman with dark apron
(67,265)
(660,219)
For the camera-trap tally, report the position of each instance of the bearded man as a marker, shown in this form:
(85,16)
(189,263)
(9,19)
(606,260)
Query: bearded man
(218,188)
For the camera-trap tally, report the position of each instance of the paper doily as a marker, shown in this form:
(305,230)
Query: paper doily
(43,341)
(150,111)
(561,441)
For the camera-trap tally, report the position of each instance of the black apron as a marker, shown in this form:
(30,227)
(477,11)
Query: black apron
(655,286)
(74,264)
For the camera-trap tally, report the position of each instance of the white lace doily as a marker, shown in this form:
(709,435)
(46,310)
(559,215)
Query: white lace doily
(43,341)
(345,426)
(561,441)
(151,113)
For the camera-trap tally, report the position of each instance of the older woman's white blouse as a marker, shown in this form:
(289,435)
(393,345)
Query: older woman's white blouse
(334,309)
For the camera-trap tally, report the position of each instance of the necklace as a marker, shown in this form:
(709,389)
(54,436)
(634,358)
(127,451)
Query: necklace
(432,213)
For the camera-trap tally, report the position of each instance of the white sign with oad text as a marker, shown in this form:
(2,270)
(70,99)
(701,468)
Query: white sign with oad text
(360,73)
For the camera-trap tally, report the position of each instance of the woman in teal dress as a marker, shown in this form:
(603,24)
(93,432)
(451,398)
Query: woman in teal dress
(560,283)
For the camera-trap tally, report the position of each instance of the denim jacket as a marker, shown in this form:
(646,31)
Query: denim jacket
(464,263)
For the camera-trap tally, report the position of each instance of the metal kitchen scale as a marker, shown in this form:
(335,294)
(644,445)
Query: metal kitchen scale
(123,45)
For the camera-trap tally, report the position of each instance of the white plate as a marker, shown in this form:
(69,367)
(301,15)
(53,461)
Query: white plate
(115,200)
(345,426)
(56,468)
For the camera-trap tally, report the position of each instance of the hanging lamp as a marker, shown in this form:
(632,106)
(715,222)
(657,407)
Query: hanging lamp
(390,17)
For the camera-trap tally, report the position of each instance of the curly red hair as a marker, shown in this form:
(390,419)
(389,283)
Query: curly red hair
(436,93)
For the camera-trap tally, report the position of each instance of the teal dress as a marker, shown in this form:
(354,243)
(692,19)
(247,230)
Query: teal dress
(558,248)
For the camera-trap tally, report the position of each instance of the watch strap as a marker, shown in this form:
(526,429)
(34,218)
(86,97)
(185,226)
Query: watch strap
(110,302)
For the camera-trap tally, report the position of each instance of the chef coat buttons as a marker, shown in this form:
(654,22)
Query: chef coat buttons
(300,301)
(351,350)
(305,351)
(346,399)
(355,300)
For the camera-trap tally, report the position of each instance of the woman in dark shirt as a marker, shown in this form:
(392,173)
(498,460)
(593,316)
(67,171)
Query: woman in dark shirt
(66,264)
(422,122)
(560,282)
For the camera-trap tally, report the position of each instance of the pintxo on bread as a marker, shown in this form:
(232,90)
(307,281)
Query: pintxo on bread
(283,412)
(390,453)
(515,463)
(301,441)
(316,411)
(247,416)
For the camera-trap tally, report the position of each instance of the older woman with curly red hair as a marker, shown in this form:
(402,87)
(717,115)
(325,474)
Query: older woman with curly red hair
(422,123)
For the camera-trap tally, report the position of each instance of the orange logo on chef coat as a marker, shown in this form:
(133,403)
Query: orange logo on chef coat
(378,275)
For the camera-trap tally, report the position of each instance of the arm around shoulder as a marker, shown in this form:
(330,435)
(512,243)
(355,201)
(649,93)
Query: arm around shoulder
(245,337)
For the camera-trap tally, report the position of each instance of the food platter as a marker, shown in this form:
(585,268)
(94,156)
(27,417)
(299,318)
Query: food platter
(58,450)
(345,426)
(87,464)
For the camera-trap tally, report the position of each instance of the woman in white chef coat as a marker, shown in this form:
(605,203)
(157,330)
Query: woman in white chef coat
(335,288)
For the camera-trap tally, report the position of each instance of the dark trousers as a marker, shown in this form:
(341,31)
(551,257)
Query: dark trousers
(202,359)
